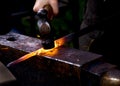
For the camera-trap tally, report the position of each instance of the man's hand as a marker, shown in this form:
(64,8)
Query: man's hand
(41,3)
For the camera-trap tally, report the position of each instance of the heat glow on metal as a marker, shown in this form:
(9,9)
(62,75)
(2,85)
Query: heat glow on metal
(40,52)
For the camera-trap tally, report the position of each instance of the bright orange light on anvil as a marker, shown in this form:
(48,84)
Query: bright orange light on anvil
(40,52)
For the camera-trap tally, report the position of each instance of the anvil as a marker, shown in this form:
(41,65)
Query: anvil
(68,66)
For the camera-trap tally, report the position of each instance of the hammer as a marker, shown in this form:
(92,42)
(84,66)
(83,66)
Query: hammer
(44,17)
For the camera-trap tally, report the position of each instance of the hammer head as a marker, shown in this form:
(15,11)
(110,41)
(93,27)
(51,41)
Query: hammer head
(48,43)
(45,29)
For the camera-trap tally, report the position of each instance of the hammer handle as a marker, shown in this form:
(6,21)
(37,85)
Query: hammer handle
(49,9)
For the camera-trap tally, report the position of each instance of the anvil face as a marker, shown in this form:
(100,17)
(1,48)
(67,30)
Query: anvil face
(65,55)
(20,42)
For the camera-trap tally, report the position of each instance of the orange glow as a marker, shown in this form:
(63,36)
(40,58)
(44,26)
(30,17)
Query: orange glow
(59,42)
(53,51)
(41,52)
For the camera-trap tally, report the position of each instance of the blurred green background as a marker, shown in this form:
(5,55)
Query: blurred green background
(61,23)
